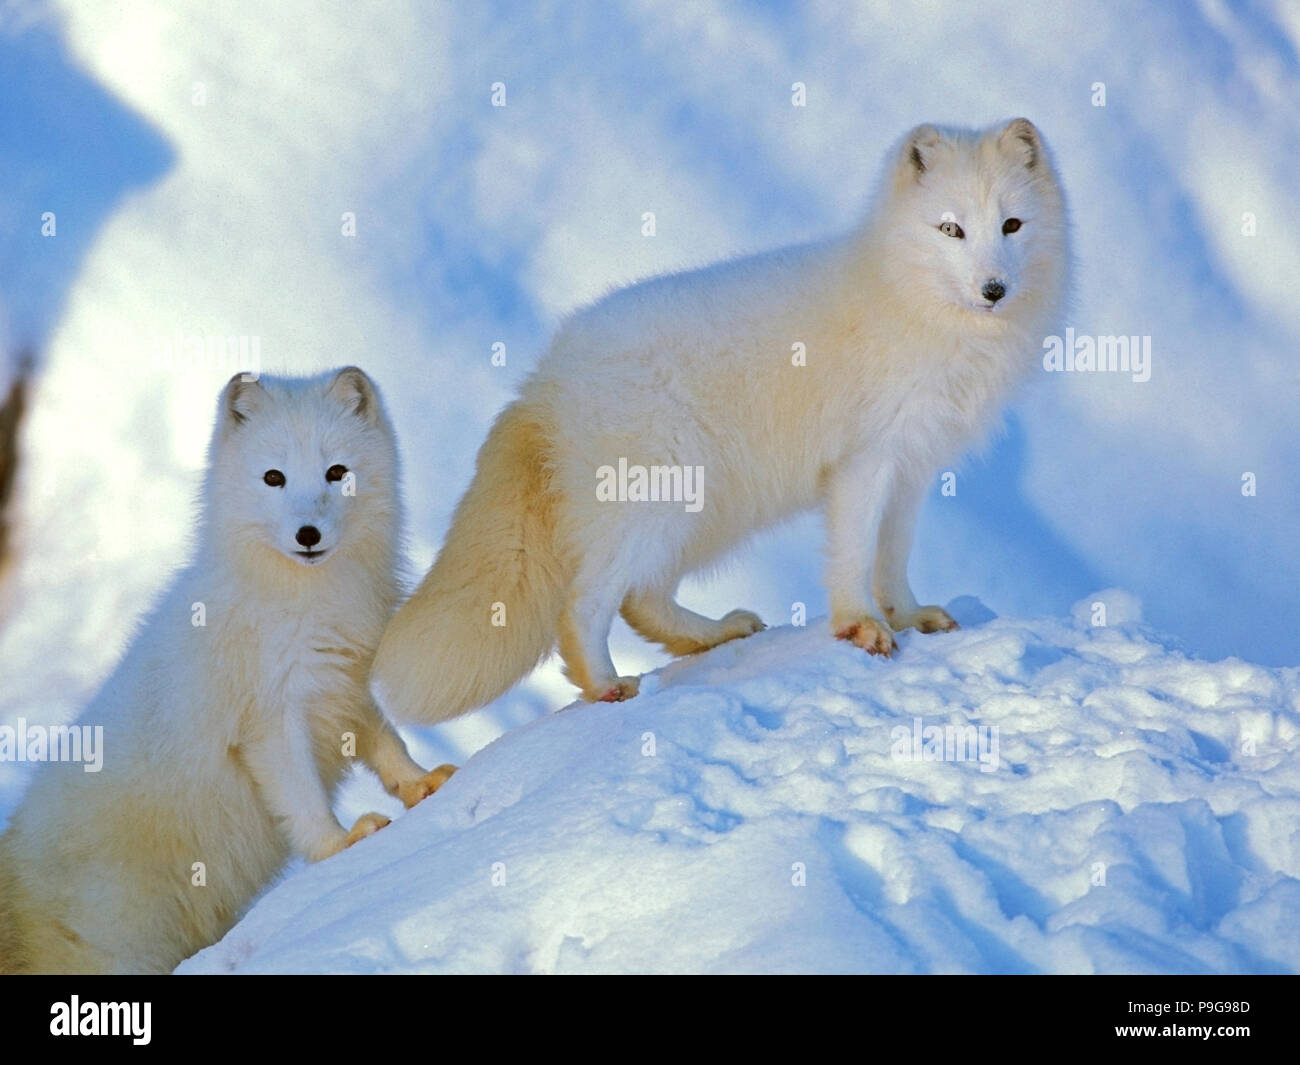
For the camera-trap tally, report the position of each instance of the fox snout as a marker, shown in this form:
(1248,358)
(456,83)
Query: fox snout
(312,540)
(993,290)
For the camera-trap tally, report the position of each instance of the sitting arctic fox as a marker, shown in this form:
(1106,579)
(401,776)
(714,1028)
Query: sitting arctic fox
(231,719)
(836,375)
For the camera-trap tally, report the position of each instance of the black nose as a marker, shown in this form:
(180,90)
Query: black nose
(308,536)
(993,291)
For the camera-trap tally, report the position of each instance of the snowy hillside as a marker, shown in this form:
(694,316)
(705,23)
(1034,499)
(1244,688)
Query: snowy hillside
(1135,810)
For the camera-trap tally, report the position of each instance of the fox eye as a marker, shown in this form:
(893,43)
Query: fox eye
(1010,225)
(335,473)
(274,478)
(952,229)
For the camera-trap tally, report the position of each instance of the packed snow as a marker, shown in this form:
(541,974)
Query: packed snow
(774,806)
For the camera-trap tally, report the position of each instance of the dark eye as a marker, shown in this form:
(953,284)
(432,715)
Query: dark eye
(335,472)
(1010,225)
(274,478)
(951,229)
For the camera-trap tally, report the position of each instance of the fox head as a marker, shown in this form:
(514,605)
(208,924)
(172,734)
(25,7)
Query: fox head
(303,470)
(976,220)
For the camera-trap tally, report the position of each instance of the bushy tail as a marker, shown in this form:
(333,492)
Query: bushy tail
(488,610)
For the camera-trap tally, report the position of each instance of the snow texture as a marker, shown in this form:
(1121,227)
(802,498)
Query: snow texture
(1140,816)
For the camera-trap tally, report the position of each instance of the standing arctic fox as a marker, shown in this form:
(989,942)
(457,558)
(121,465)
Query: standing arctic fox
(226,726)
(913,329)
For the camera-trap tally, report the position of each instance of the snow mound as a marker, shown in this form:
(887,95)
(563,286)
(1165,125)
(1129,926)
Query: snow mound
(775,806)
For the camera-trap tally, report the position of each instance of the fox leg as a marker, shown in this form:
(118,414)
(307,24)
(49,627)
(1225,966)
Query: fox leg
(855,497)
(889,584)
(584,644)
(283,766)
(659,618)
(381,748)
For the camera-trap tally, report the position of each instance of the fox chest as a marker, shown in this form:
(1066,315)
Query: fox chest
(941,411)
(295,672)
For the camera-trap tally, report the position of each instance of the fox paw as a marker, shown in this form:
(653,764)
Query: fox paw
(734,626)
(922,619)
(367,825)
(622,688)
(872,635)
(741,623)
(413,791)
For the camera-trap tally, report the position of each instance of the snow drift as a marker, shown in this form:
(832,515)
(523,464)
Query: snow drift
(766,807)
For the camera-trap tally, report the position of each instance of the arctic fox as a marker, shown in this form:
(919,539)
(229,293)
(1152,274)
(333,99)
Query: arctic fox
(839,374)
(229,722)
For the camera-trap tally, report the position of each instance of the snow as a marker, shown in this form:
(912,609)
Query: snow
(1139,816)
(478,225)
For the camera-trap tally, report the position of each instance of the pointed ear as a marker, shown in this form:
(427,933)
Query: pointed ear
(918,152)
(241,398)
(356,392)
(1020,140)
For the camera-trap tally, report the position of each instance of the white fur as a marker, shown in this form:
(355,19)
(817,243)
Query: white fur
(224,742)
(907,364)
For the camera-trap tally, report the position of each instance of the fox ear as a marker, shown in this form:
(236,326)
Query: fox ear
(354,390)
(918,152)
(1020,140)
(241,398)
